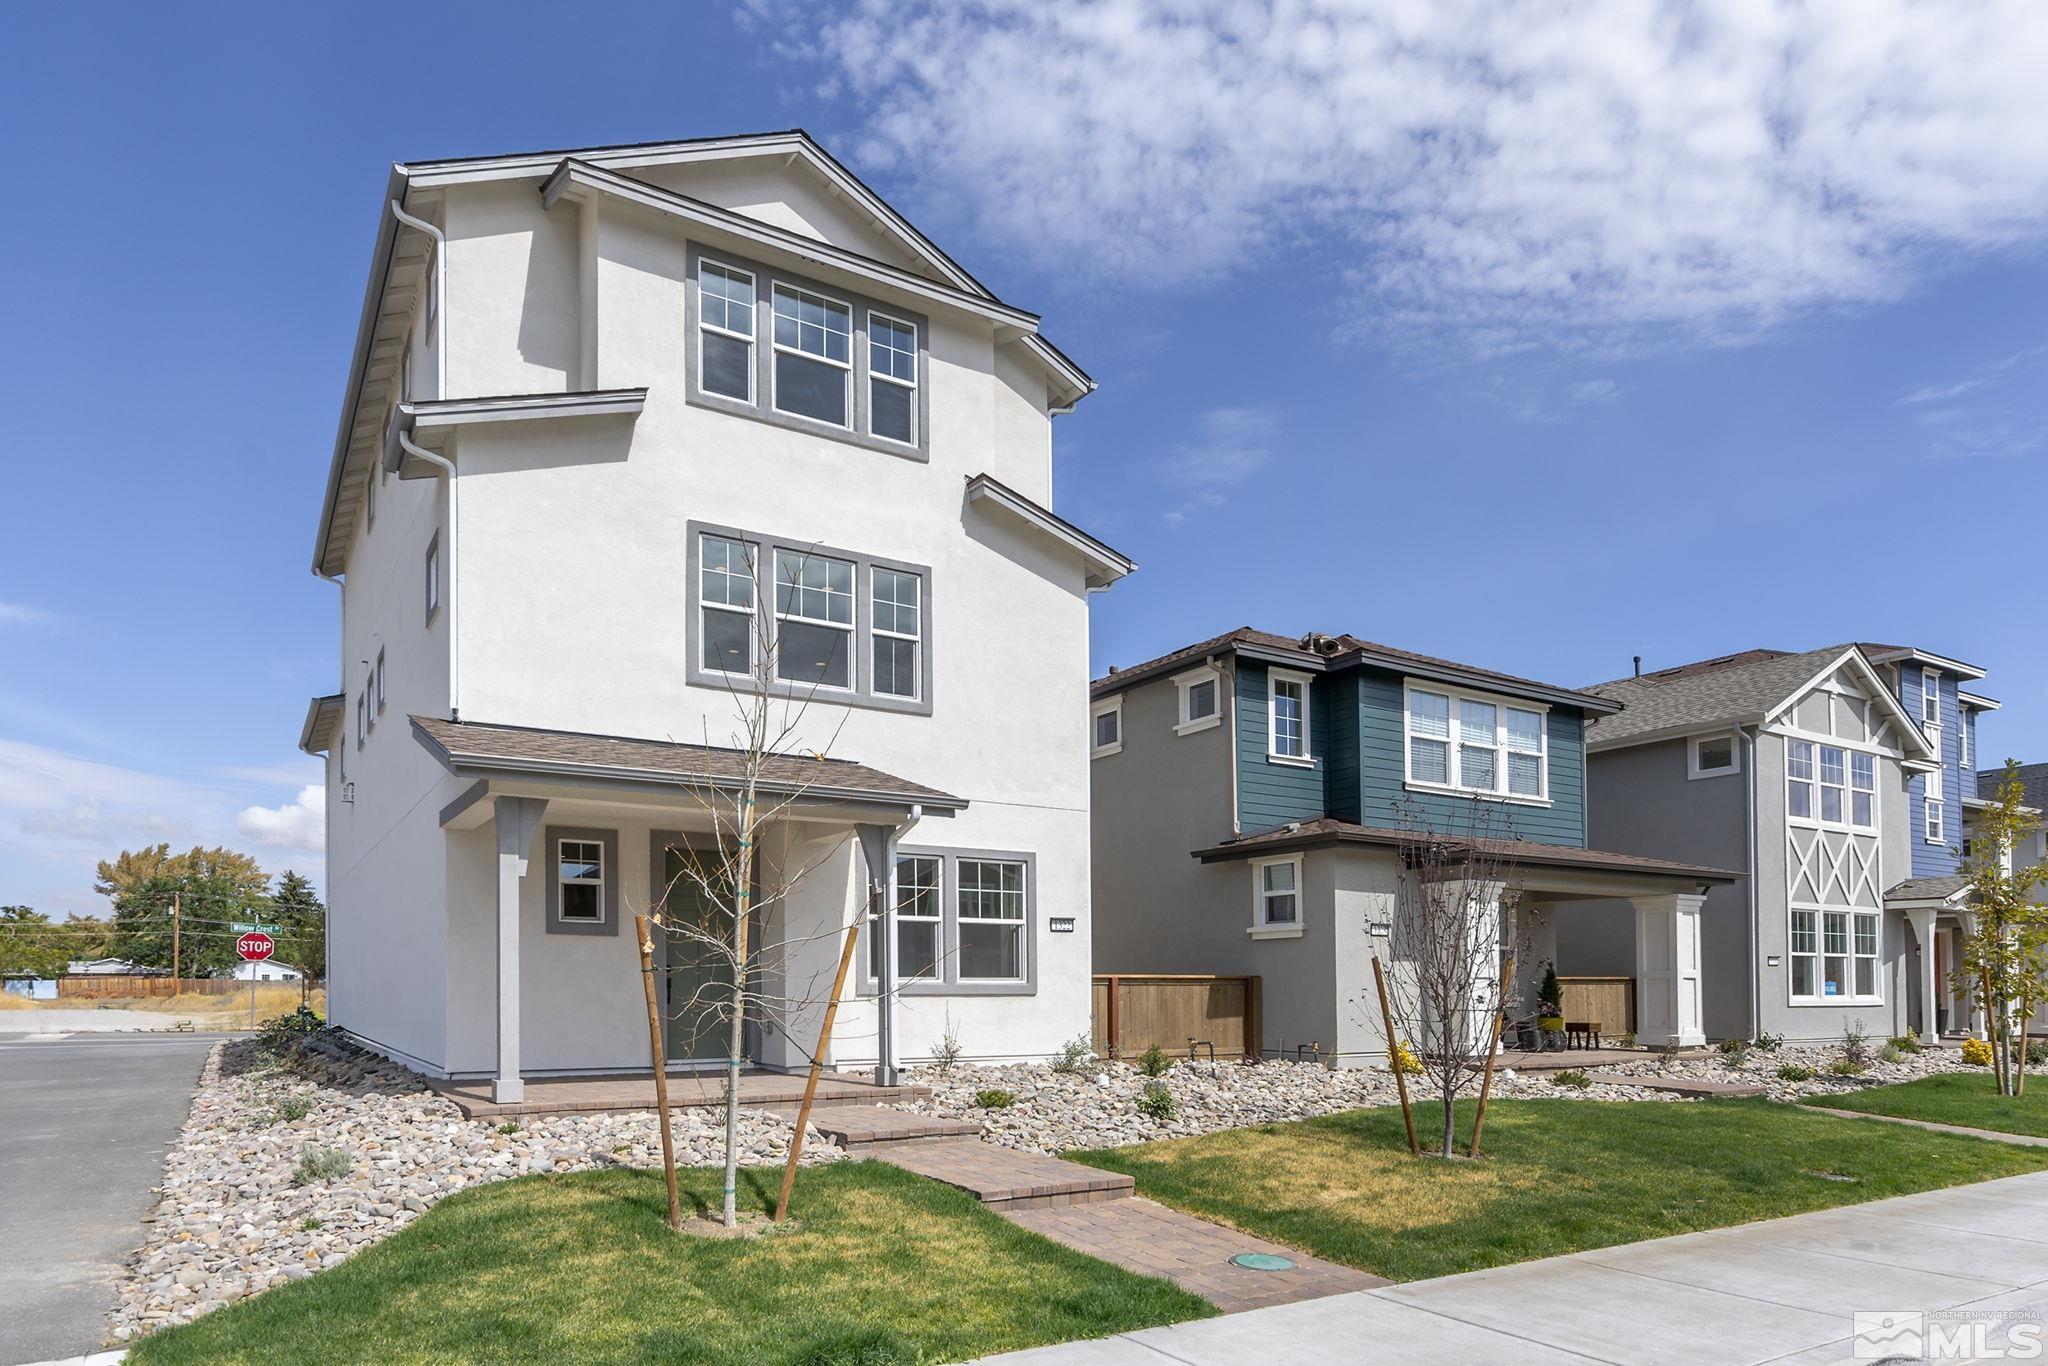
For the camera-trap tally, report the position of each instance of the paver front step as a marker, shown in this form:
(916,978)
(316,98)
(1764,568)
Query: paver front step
(1006,1179)
(871,1128)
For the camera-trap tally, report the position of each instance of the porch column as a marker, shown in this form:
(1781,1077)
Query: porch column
(1923,935)
(878,851)
(1668,1004)
(518,821)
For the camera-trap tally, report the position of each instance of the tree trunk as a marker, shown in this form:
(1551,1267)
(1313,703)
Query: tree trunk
(736,1036)
(1450,1123)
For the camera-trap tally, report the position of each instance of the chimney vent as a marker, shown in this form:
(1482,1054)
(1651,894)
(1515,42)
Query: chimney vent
(1639,666)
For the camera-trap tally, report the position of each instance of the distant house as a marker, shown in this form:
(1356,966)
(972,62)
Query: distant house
(269,970)
(109,967)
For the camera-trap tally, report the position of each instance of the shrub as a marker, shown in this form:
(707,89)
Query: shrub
(1404,1060)
(1734,1051)
(1908,1042)
(1571,1077)
(947,1051)
(321,1164)
(1627,1038)
(1793,1071)
(1157,1102)
(1855,1047)
(1154,1062)
(1847,1067)
(311,1223)
(509,1127)
(2037,1052)
(995,1098)
(1076,1056)
(1769,1043)
(284,1034)
(294,1107)
(1977,1052)
(1891,1052)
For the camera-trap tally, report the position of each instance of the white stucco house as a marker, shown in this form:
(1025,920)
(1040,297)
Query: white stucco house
(615,418)
(268,970)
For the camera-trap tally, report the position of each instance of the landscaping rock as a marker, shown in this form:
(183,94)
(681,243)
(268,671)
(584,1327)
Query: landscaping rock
(1760,1068)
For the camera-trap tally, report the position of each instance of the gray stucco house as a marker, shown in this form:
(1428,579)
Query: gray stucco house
(1837,782)
(1250,794)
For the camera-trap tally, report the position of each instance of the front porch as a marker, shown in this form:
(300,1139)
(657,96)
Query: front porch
(635,1091)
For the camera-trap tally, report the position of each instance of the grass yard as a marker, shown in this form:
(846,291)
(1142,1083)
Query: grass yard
(1559,1176)
(887,1267)
(1964,1098)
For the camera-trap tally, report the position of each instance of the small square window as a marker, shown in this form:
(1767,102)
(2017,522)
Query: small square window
(1106,727)
(581,872)
(1713,756)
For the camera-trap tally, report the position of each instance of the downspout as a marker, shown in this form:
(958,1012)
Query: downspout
(1756,1005)
(440,288)
(405,443)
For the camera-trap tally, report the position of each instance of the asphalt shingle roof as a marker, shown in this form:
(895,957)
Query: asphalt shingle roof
(1681,697)
(1928,888)
(1327,830)
(2033,777)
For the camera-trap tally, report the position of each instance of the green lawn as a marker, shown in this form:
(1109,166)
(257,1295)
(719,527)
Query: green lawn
(887,1267)
(1964,1098)
(1559,1176)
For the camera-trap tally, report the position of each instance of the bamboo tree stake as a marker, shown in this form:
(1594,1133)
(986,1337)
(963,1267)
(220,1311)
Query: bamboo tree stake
(803,1113)
(668,1144)
(2019,1080)
(1379,977)
(1500,1018)
(743,900)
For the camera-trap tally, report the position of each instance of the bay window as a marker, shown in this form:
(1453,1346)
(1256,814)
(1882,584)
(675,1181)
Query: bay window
(1476,744)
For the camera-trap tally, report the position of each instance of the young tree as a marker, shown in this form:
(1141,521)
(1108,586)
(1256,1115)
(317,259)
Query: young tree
(1457,916)
(2004,962)
(301,920)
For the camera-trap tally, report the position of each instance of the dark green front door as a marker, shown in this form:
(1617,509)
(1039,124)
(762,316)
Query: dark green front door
(699,977)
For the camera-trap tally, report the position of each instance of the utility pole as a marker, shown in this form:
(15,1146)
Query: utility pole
(174,941)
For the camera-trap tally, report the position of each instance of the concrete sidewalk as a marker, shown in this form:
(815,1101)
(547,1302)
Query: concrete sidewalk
(1782,1291)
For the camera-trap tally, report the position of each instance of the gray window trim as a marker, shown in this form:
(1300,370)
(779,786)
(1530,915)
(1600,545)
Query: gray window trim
(550,838)
(762,408)
(862,694)
(948,983)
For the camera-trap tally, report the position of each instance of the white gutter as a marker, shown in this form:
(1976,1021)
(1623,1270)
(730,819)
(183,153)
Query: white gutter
(440,304)
(448,555)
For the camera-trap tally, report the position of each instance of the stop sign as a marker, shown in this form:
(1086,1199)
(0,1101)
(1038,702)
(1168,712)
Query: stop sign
(255,947)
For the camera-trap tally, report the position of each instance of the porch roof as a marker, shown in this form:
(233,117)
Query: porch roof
(1951,890)
(471,749)
(1326,832)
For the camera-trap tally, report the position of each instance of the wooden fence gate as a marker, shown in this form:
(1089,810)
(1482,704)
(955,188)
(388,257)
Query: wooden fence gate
(1133,1011)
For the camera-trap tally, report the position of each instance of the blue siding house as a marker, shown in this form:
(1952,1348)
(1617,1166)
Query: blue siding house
(1935,689)
(1256,795)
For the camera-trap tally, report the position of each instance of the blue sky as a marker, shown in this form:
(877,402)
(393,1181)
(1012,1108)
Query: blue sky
(1535,340)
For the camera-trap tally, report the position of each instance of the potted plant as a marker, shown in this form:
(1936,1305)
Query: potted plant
(1550,1003)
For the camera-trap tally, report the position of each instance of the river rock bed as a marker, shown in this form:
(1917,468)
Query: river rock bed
(1761,1068)
(230,1222)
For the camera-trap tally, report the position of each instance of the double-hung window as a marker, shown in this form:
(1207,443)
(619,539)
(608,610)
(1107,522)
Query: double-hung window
(892,378)
(725,596)
(1799,779)
(896,632)
(813,355)
(1966,726)
(991,921)
(725,326)
(1863,790)
(1937,809)
(581,873)
(1834,955)
(920,918)
(1833,775)
(1930,703)
(813,619)
(1287,716)
(1276,896)
(1480,745)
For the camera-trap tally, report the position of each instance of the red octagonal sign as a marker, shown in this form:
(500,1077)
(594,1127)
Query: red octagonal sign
(255,947)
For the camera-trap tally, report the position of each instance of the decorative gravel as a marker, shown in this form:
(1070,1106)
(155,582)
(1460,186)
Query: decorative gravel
(1060,1110)
(1760,1068)
(231,1222)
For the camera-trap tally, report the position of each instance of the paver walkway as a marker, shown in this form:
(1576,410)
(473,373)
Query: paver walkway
(1972,1259)
(1996,1135)
(1682,1086)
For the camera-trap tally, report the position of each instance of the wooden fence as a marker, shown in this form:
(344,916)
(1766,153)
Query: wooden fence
(1608,1001)
(137,984)
(1135,1011)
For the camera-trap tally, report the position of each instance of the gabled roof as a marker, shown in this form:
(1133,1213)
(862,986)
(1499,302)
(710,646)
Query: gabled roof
(322,725)
(2033,777)
(1749,688)
(1320,653)
(1105,565)
(1950,890)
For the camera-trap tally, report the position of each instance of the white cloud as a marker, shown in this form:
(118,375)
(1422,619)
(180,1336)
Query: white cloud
(1230,446)
(2002,412)
(297,825)
(20,614)
(1592,172)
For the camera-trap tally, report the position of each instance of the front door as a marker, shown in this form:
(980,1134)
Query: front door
(699,976)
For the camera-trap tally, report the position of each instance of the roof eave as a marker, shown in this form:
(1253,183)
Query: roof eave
(1105,565)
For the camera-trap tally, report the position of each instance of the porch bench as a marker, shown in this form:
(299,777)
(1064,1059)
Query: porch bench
(1581,1033)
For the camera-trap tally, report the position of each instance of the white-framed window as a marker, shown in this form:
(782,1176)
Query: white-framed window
(813,355)
(1799,779)
(1106,727)
(920,920)
(580,872)
(1287,717)
(1475,744)
(813,619)
(362,717)
(897,631)
(1276,897)
(1966,738)
(1936,809)
(991,902)
(1834,783)
(1830,784)
(1713,756)
(1930,703)
(892,378)
(433,577)
(1862,790)
(1834,955)
(380,686)
(1198,702)
(726,575)
(725,328)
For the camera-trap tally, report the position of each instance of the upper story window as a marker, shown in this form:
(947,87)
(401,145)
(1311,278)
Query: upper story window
(892,378)
(1287,717)
(1276,897)
(433,572)
(1936,809)
(1966,732)
(1930,700)
(813,356)
(837,365)
(725,322)
(1106,727)
(1198,700)
(1830,784)
(830,623)
(380,685)
(1714,756)
(1475,744)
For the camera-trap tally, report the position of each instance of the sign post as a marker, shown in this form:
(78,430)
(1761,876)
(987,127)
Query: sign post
(254,946)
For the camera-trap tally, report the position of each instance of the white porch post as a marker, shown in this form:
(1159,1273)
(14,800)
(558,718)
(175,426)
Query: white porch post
(1923,934)
(878,847)
(518,820)
(1668,1001)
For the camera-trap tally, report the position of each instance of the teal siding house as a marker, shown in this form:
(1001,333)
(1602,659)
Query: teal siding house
(1254,793)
